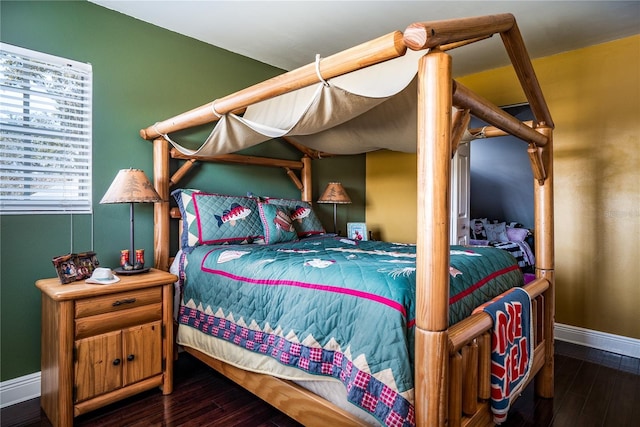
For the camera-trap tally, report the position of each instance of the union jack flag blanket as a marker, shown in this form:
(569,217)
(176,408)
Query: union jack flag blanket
(511,348)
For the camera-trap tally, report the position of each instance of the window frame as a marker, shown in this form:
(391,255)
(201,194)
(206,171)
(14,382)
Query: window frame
(46,109)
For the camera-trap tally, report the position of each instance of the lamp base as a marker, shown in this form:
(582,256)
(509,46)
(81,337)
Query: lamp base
(130,272)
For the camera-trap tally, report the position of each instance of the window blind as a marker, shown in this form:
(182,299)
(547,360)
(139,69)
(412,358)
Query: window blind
(45,133)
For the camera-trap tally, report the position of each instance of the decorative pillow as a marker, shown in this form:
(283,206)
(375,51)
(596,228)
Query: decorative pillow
(277,224)
(209,218)
(496,232)
(478,231)
(517,234)
(304,218)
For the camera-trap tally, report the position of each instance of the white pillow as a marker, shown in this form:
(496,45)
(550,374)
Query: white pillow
(496,232)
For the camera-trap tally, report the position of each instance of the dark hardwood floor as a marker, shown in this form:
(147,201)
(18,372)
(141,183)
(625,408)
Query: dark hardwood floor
(592,388)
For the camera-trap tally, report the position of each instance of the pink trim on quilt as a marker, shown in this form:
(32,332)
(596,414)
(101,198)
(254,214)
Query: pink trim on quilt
(197,212)
(459,296)
(325,288)
(358,294)
(481,283)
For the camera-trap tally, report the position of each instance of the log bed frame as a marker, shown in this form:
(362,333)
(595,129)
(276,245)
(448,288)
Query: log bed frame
(452,373)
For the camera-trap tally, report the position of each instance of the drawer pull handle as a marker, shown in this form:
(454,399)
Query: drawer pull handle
(124,301)
(116,362)
(131,357)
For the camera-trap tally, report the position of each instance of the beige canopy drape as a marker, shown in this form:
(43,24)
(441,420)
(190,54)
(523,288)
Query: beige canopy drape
(369,109)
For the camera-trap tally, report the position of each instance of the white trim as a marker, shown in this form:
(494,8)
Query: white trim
(19,389)
(45,57)
(600,340)
(28,387)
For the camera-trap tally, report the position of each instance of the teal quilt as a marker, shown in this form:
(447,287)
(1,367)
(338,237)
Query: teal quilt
(354,300)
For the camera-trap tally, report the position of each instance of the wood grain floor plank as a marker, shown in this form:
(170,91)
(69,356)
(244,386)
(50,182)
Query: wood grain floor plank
(565,372)
(599,398)
(588,392)
(624,406)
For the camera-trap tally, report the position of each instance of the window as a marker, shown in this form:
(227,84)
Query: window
(45,133)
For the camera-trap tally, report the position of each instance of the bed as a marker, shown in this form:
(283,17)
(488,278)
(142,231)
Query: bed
(451,357)
(510,236)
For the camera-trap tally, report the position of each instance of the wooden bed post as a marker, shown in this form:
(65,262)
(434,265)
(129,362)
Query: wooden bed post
(545,268)
(161,209)
(432,251)
(307,191)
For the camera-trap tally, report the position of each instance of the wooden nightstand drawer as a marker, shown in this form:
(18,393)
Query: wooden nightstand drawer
(100,323)
(120,301)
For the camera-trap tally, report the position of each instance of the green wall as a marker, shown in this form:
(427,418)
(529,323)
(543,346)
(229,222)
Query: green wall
(141,74)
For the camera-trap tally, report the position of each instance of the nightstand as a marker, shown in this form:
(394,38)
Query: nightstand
(103,343)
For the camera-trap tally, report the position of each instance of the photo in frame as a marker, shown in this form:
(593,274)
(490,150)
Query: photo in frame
(85,263)
(72,267)
(66,268)
(357,230)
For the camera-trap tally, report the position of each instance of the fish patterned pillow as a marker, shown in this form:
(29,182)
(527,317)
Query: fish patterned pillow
(277,223)
(304,218)
(214,219)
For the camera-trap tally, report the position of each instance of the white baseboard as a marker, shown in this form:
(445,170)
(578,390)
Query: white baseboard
(600,340)
(19,389)
(28,387)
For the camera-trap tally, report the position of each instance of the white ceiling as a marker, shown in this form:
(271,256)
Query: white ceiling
(288,34)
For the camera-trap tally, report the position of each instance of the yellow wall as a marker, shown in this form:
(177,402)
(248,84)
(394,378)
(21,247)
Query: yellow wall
(594,98)
(391,196)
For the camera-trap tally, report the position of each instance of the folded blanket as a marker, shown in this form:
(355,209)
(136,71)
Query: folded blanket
(511,348)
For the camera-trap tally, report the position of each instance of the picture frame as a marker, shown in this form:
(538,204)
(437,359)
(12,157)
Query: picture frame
(357,231)
(85,263)
(65,268)
(72,267)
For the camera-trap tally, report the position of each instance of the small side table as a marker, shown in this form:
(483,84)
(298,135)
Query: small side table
(103,343)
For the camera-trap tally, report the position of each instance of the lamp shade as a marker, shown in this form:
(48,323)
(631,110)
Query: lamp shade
(131,186)
(335,193)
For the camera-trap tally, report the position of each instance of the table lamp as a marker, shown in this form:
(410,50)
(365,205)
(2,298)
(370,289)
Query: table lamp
(131,186)
(336,194)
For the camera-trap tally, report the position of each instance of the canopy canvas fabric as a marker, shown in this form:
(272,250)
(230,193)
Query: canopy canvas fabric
(366,110)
